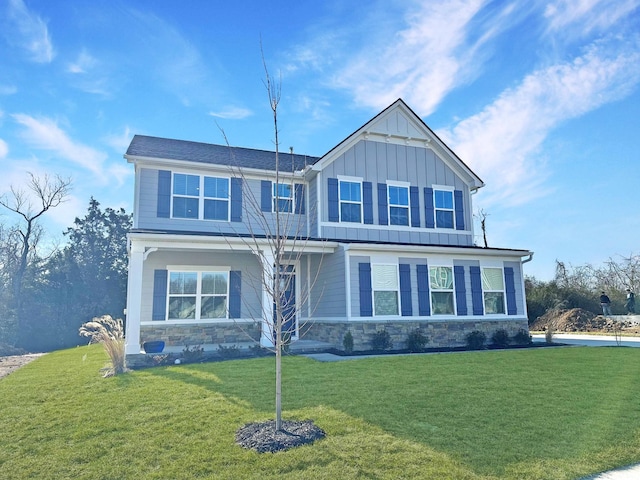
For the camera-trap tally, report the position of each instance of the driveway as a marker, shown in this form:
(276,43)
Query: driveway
(591,340)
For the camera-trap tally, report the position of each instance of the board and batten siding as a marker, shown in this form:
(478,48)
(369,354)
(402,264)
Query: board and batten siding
(378,163)
(252,189)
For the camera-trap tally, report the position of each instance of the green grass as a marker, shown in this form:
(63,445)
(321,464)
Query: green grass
(542,413)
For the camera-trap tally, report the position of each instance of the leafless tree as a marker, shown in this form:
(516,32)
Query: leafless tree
(42,193)
(279,240)
(482,216)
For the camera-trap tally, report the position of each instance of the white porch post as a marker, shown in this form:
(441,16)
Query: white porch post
(134,299)
(266,335)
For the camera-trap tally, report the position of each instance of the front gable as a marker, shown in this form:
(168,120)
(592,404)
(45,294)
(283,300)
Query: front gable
(394,181)
(399,125)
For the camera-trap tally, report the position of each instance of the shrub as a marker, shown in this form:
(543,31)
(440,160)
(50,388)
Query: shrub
(347,342)
(500,338)
(476,340)
(522,337)
(110,333)
(232,351)
(192,354)
(381,341)
(416,341)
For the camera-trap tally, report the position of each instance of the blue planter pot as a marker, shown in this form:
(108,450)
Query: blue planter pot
(156,346)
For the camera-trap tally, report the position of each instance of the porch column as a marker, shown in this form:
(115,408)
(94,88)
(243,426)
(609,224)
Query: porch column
(266,334)
(134,300)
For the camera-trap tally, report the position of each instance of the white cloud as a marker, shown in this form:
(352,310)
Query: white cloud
(232,113)
(26,30)
(82,64)
(586,16)
(120,142)
(501,142)
(45,134)
(4,149)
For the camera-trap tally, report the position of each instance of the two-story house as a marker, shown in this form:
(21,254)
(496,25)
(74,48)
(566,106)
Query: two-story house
(383,240)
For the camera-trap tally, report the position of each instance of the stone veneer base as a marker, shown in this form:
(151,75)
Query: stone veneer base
(444,334)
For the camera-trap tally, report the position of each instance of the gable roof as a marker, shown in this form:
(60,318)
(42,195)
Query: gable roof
(145,147)
(398,123)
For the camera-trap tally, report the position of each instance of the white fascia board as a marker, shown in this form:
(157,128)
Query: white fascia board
(249,173)
(205,242)
(436,250)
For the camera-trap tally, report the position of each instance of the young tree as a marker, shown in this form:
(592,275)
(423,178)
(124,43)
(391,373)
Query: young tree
(279,240)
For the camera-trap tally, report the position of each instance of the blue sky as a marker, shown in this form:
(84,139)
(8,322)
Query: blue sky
(540,98)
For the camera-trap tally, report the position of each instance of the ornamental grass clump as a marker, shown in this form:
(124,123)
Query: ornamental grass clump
(110,333)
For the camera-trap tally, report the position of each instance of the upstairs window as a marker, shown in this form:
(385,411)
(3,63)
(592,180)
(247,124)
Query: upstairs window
(398,205)
(441,283)
(444,210)
(216,198)
(350,197)
(198,295)
(200,197)
(384,283)
(186,195)
(282,197)
(493,290)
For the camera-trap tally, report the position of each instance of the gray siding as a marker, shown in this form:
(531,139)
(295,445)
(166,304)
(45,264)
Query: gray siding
(355,282)
(517,280)
(328,297)
(378,162)
(253,220)
(244,262)
(467,280)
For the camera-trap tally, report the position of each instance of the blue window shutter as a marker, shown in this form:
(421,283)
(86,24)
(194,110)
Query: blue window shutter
(266,196)
(299,193)
(459,208)
(424,307)
(364,277)
(461,290)
(476,291)
(164,194)
(332,199)
(159,295)
(235,303)
(414,195)
(510,287)
(429,209)
(236,199)
(383,215)
(367,202)
(405,289)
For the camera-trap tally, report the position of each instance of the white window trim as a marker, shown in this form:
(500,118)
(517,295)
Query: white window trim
(444,188)
(201,197)
(359,180)
(503,291)
(199,271)
(293,196)
(407,185)
(373,291)
(431,265)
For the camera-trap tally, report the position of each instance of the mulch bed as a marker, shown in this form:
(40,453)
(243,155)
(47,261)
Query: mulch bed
(263,437)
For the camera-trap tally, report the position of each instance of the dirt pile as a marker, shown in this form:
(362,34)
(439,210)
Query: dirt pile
(579,320)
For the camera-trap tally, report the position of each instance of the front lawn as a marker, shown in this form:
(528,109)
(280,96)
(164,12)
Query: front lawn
(556,413)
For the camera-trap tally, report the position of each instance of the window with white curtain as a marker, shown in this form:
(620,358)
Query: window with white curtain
(385,284)
(441,283)
(493,290)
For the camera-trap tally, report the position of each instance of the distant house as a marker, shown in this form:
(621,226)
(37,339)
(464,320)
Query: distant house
(387,217)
